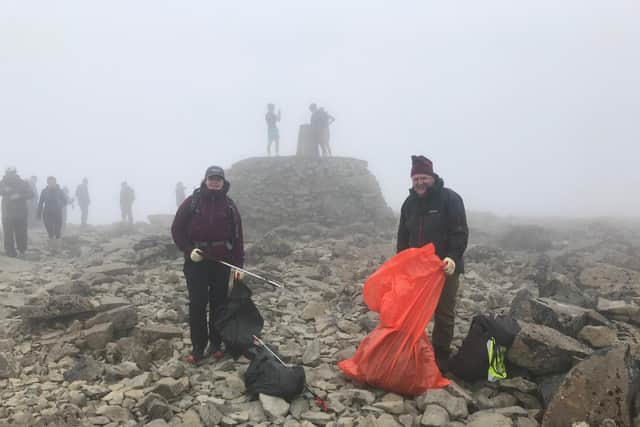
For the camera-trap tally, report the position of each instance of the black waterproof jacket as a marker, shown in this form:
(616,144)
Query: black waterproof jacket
(15,192)
(52,201)
(437,218)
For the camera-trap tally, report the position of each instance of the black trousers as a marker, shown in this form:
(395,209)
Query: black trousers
(53,223)
(207,282)
(15,235)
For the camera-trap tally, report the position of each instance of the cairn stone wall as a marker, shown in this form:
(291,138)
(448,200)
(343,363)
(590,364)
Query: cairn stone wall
(291,191)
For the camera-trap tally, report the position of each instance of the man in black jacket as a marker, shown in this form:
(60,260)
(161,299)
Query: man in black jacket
(435,214)
(15,193)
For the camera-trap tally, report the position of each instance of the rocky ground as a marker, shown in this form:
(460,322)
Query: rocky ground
(94,332)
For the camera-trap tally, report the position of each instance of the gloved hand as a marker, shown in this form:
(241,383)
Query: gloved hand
(234,276)
(196,255)
(237,275)
(449,266)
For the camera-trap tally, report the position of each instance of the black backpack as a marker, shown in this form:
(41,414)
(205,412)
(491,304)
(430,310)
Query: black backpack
(471,362)
(267,375)
(238,320)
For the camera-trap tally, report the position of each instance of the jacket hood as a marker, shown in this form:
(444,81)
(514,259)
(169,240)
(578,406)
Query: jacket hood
(437,186)
(225,188)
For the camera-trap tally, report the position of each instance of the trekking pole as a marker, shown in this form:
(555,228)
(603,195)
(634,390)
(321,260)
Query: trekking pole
(247,272)
(317,399)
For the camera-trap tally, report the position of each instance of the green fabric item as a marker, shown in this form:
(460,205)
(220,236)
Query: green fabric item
(497,369)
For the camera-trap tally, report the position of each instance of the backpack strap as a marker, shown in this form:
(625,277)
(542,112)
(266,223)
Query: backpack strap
(194,208)
(235,227)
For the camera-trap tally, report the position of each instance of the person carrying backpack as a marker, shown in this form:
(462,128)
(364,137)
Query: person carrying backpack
(435,214)
(207,227)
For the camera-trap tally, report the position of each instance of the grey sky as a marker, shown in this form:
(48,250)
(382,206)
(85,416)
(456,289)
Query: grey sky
(524,107)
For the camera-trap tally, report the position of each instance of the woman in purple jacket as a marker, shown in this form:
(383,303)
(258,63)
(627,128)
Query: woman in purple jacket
(207,228)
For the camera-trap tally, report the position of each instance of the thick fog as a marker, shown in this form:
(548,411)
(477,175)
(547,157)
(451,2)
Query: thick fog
(526,108)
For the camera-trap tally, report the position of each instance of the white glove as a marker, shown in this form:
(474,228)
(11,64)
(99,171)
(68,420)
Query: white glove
(449,266)
(196,255)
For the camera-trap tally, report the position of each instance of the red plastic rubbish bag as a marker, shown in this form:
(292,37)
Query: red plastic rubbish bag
(397,356)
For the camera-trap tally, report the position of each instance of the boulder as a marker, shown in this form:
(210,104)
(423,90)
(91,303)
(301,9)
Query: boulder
(98,336)
(543,350)
(609,279)
(566,318)
(122,318)
(57,307)
(619,310)
(521,305)
(598,336)
(561,289)
(598,388)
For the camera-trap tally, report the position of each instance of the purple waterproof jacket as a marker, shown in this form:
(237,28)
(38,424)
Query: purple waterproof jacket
(212,223)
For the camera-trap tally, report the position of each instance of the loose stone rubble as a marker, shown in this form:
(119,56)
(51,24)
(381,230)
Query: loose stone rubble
(95,334)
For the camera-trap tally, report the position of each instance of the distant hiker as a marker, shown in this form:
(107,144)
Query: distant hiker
(82,195)
(51,208)
(435,214)
(127,197)
(180,193)
(207,227)
(32,204)
(320,121)
(273,134)
(15,193)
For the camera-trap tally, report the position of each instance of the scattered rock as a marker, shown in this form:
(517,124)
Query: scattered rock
(85,368)
(311,355)
(155,406)
(275,407)
(434,416)
(151,333)
(456,407)
(8,367)
(98,336)
(123,319)
(486,419)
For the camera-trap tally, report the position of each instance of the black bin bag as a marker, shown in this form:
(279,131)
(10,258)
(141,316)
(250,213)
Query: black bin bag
(238,321)
(267,375)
